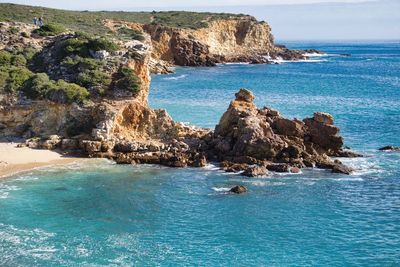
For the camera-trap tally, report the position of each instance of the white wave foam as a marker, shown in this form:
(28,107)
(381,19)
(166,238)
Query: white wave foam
(6,189)
(316,54)
(287,173)
(232,173)
(221,189)
(174,78)
(310,60)
(363,166)
(355,179)
(262,184)
(233,63)
(211,167)
(280,60)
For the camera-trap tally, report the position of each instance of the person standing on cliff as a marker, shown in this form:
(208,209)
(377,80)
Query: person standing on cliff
(41,22)
(35,21)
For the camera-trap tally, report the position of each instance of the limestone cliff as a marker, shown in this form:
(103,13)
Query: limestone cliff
(241,39)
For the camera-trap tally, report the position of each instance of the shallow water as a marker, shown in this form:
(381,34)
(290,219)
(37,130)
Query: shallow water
(96,213)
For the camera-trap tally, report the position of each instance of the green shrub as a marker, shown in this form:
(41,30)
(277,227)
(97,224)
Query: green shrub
(64,92)
(87,72)
(131,33)
(127,80)
(73,46)
(5,58)
(89,78)
(29,53)
(3,80)
(18,60)
(37,86)
(16,78)
(102,44)
(77,63)
(50,30)
(81,45)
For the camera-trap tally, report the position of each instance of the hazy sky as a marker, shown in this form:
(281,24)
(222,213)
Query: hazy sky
(289,19)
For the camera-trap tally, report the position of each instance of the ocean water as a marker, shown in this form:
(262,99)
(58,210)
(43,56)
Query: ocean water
(95,213)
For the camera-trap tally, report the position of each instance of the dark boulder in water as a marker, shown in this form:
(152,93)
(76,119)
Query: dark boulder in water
(295,170)
(341,168)
(239,189)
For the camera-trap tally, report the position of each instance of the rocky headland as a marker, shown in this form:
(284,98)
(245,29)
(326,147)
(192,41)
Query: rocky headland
(239,39)
(89,95)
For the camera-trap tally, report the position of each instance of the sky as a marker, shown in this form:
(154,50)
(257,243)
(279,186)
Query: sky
(289,19)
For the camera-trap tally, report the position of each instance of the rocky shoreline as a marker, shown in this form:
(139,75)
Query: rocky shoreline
(247,139)
(115,121)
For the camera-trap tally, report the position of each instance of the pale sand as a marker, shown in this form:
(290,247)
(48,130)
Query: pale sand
(14,159)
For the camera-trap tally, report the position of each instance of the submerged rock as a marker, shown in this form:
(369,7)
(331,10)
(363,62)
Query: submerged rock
(239,189)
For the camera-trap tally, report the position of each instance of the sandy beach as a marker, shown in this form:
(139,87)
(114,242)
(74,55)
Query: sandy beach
(15,159)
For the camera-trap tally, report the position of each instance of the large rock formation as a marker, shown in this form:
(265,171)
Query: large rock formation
(247,135)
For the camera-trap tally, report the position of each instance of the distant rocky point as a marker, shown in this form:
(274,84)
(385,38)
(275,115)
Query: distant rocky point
(389,148)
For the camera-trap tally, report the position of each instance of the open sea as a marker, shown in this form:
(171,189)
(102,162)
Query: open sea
(96,213)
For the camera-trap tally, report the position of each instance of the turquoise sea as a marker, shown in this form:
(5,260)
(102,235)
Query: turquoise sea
(96,213)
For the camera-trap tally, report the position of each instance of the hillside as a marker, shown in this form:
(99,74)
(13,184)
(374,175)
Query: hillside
(92,22)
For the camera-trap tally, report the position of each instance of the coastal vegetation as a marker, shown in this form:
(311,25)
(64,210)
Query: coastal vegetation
(72,73)
(50,30)
(39,86)
(129,33)
(92,22)
(16,77)
(126,78)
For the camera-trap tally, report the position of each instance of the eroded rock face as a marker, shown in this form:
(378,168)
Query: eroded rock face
(226,40)
(263,137)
